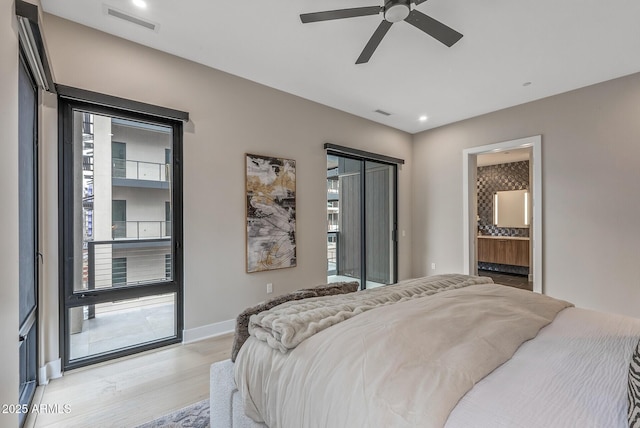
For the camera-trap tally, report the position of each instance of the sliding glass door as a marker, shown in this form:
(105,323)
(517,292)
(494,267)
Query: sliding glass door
(28,232)
(361,218)
(122,289)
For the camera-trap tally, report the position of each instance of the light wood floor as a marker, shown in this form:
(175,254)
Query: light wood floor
(134,390)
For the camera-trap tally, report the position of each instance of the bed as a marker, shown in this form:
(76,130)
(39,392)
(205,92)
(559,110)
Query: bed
(448,350)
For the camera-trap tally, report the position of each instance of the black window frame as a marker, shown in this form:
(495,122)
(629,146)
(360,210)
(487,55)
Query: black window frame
(69,100)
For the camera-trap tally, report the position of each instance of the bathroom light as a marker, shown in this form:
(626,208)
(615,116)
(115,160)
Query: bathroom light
(526,208)
(423,118)
(495,209)
(140,3)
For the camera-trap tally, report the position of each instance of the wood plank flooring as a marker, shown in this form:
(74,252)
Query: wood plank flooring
(133,390)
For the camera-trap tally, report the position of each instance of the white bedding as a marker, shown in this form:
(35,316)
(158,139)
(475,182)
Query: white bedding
(402,365)
(573,374)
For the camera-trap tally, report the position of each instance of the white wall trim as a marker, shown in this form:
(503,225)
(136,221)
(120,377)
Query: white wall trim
(469,167)
(51,370)
(209,330)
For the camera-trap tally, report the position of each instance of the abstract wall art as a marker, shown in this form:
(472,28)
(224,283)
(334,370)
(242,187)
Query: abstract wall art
(271,213)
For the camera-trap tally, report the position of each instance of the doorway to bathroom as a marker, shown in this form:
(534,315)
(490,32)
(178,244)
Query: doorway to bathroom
(503,212)
(503,215)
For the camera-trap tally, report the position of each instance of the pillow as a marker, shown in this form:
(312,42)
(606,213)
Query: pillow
(334,288)
(242,321)
(634,389)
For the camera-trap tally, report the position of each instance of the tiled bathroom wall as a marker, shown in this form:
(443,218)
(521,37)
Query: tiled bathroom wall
(491,179)
(495,178)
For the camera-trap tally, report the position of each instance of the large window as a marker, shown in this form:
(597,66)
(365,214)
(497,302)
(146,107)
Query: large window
(121,288)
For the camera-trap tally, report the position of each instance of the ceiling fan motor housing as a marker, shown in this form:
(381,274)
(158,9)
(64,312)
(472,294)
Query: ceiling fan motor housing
(396,10)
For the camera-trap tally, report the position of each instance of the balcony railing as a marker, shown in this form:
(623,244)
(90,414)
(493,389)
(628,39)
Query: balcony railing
(118,263)
(332,252)
(140,229)
(140,170)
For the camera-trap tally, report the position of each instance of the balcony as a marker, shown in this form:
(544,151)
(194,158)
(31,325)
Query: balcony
(118,263)
(132,173)
(334,271)
(136,230)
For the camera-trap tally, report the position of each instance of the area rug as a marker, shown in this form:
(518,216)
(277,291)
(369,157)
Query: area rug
(193,416)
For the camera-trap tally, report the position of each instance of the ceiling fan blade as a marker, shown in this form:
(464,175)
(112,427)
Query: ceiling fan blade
(374,41)
(339,14)
(417,2)
(435,29)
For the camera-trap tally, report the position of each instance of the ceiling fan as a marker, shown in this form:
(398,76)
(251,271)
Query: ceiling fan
(392,11)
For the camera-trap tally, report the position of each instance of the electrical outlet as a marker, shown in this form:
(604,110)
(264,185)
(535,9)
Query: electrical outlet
(433,266)
(269,288)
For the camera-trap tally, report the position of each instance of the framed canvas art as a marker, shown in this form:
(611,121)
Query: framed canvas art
(271,213)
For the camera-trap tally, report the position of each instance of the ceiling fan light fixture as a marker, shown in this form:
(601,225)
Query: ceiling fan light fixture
(397,10)
(393,11)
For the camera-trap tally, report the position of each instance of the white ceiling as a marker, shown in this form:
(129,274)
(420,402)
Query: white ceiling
(556,45)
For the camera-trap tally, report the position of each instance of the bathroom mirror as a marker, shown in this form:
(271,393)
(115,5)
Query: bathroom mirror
(511,208)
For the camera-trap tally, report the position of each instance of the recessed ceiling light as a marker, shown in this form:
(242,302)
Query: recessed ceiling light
(423,118)
(140,3)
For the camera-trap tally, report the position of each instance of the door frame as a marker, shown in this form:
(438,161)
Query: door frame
(470,203)
(363,157)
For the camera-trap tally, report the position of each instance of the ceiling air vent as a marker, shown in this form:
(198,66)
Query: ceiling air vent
(382,112)
(111,11)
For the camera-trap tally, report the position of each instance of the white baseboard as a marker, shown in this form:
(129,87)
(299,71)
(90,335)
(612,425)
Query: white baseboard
(51,370)
(207,331)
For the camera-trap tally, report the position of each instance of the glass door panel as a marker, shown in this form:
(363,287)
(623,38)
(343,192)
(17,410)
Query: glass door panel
(28,232)
(344,214)
(379,214)
(119,219)
(118,159)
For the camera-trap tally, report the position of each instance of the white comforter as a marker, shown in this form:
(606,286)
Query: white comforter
(403,365)
(573,374)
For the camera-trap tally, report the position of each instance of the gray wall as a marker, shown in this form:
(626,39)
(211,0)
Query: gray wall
(230,116)
(590,186)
